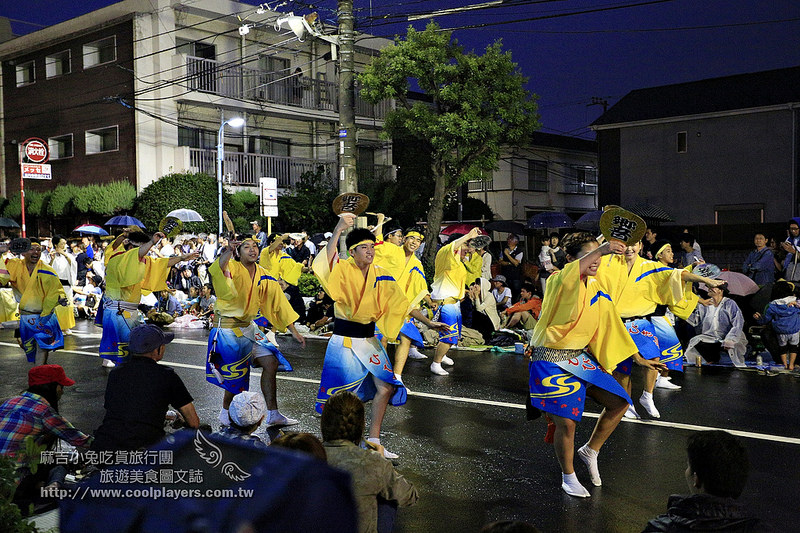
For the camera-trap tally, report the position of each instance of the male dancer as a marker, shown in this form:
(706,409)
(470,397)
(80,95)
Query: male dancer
(243,289)
(41,291)
(129,272)
(448,290)
(364,295)
(277,262)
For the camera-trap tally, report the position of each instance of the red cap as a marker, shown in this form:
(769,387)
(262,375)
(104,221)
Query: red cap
(44,374)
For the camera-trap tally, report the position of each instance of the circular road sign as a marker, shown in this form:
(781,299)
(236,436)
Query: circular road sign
(36,150)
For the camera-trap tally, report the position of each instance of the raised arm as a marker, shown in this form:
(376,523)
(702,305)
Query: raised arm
(346,220)
(145,248)
(458,243)
(608,247)
(185,257)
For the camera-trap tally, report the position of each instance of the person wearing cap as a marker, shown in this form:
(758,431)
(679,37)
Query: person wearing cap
(247,412)
(41,291)
(501,293)
(278,263)
(365,295)
(259,234)
(298,250)
(245,290)
(139,393)
(34,413)
(312,249)
(449,284)
(130,272)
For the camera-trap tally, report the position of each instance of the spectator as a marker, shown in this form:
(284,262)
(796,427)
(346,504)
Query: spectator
(374,478)
(247,412)
(205,305)
(721,328)
(501,292)
(690,255)
(168,303)
(302,442)
(138,394)
(545,261)
(649,244)
(783,314)
(696,245)
(88,298)
(295,299)
(312,249)
(511,263)
(717,472)
(760,263)
(526,311)
(791,246)
(34,414)
(298,250)
(778,256)
(481,309)
(209,252)
(187,279)
(259,234)
(557,256)
(320,312)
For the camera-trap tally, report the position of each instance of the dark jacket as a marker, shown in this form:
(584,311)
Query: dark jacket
(704,512)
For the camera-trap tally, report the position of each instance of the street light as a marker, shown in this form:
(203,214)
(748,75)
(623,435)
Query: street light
(236,122)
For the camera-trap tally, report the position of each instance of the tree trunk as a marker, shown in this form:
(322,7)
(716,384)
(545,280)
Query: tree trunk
(435,216)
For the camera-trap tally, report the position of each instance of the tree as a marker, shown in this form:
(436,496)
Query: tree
(478,105)
(308,204)
(174,191)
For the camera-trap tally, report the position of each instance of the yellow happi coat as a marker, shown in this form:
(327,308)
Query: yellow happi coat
(451,275)
(473,265)
(241,295)
(280,265)
(407,271)
(687,305)
(576,315)
(127,276)
(649,284)
(377,298)
(40,290)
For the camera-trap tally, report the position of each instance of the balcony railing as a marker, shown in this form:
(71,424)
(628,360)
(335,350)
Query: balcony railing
(245,169)
(233,81)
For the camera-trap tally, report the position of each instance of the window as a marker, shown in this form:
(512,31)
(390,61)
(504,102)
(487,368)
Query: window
(583,180)
(269,146)
(102,140)
(479,185)
(60,147)
(681,142)
(58,64)
(739,214)
(99,52)
(195,138)
(195,49)
(26,73)
(537,175)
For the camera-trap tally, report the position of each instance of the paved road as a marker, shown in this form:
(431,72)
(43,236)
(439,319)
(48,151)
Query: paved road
(464,441)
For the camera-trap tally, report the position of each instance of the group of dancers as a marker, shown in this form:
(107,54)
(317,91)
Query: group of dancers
(599,318)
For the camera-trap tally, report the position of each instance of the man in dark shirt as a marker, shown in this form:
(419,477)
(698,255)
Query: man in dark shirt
(138,394)
(298,251)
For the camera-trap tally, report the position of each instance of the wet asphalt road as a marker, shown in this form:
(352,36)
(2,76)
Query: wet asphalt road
(464,441)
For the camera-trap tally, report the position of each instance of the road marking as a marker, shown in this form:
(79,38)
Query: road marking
(494,403)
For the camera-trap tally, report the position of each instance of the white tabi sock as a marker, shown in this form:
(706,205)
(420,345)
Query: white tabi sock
(573,487)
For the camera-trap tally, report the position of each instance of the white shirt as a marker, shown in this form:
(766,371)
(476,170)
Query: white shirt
(499,295)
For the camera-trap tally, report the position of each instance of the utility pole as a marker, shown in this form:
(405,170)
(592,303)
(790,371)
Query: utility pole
(348,179)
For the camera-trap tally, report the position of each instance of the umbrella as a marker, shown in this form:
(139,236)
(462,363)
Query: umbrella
(506,226)
(124,220)
(8,223)
(738,283)
(317,238)
(186,215)
(550,219)
(590,221)
(650,211)
(462,228)
(90,229)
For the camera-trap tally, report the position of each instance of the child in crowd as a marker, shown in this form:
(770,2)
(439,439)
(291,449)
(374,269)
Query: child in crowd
(783,314)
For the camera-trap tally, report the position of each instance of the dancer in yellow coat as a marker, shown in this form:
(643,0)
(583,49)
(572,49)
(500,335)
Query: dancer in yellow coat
(277,262)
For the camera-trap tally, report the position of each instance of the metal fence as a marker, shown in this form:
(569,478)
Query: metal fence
(245,169)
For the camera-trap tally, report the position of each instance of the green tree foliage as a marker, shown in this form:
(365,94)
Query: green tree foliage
(106,199)
(61,200)
(478,106)
(175,191)
(308,204)
(244,207)
(308,284)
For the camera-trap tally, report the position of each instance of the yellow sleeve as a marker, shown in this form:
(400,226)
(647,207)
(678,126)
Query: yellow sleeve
(276,307)
(664,285)
(686,307)
(110,252)
(6,270)
(473,266)
(52,289)
(322,269)
(417,285)
(445,259)
(289,269)
(394,308)
(129,269)
(155,277)
(391,257)
(612,343)
(224,288)
(561,302)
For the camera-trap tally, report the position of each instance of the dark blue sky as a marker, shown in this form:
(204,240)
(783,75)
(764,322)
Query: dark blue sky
(572,58)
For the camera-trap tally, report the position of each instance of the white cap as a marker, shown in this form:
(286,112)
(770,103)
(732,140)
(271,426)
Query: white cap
(247,408)
(296,236)
(328,235)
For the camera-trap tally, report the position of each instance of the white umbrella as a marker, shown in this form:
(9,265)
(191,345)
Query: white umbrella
(186,215)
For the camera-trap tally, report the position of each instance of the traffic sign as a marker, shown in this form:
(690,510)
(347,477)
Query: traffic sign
(33,171)
(269,197)
(35,150)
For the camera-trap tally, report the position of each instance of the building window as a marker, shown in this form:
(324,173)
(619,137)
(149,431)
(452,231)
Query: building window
(99,52)
(195,49)
(196,138)
(58,64)
(479,185)
(739,214)
(60,147)
(26,73)
(681,142)
(583,180)
(269,146)
(537,175)
(102,140)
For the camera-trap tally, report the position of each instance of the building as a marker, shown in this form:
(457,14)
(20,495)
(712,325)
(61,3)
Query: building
(140,88)
(552,173)
(719,151)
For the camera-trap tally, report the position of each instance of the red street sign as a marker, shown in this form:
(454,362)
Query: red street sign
(36,172)
(36,150)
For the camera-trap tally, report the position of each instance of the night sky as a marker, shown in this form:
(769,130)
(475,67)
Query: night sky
(571,57)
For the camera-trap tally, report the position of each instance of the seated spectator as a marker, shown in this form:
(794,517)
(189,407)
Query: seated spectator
(760,263)
(501,292)
(783,314)
(87,299)
(34,414)
(168,303)
(302,442)
(188,301)
(187,279)
(295,299)
(721,328)
(690,255)
(205,304)
(526,311)
(481,313)
(138,394)
(320,312)
(717,473)
(247,412)
(373,476)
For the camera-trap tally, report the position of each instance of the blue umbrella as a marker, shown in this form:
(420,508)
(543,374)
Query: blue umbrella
(90,229)
(550,219)
(124,220)
(590,221)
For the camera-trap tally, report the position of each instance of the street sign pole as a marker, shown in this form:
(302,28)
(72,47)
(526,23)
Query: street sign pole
(22,199)
(33,154)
